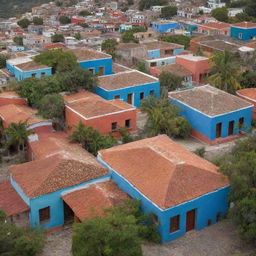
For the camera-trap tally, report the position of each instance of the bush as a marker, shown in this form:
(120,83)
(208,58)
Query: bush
(200,152)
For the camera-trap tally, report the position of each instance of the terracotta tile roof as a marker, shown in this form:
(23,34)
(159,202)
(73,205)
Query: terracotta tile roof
(54,45)
(91,201)
(117,68)
(53,173)
(10,201)
(31,65)
(124,46)
(85,54)
(91,105)
(220,45)
(15,113)
(176,69)
(124,80)
(209,100)
(244,24)
(10,95)
(249,93)
(161,45)
(215,25)
(252,45)
(164,171)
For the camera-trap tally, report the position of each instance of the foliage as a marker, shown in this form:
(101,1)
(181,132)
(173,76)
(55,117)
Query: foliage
(146,4)
(126,136)
(16,135)
(38,21)
(109,46)
(78,36)
(141,66)
(24,23)
(163,118)
(177,39)
(240,166)
(243,16)
(64,20)
(84,13)
(127,36)
(169,82)
(248,79)
(18,40)
(220,14)
(58,38)
(15,241)
(168,12)
(200,151)
(120,232)
(3,59)
(251,8)
(91,140)
(225,72)
(58,59)
(84,25)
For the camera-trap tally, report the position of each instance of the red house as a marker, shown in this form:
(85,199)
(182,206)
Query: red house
(214,28)
(102,115)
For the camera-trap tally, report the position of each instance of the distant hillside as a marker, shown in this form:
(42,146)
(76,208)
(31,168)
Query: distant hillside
(12,8)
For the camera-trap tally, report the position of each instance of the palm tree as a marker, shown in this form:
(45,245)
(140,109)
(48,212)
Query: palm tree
(16,135)
(225,72)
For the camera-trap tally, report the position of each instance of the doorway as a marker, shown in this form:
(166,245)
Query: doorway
(130,98)
(190,220)
(231,128)
(101,73)
(218,130)
(68,214)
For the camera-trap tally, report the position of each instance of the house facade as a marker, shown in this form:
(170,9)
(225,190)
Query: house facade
(214,28)
(213,122)
(165,26)
(243,31)
(201,199)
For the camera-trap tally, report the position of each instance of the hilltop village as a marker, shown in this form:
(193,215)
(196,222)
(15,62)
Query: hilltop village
(146,109)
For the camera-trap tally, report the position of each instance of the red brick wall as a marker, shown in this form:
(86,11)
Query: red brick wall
(102,124)
(252,102)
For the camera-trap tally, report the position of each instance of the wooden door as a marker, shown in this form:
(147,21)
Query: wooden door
(101,71)
(129,98)
(231,128)
(68,214)
(218,130)
(190,220)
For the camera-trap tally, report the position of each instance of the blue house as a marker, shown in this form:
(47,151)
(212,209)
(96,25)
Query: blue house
(215,116)
(165,26)
(183,191)
(25,67)
(94,61)
(130,86)
(243,31)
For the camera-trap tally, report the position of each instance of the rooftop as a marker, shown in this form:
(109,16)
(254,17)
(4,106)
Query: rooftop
(117,68)
(161,45)
(244,24)
(249,93)
(53,173)
(90,201)
(86,54)
(220,45)
(10,201)
(90,105)
(209,100)
(192,57)
(163,171)
(176,69)
(10,95)
(31,65)
(124,80)
(216,25)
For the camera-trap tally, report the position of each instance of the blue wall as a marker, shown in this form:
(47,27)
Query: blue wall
(207,207)
(136,90)
(247,33)
(163,27)
(96,64)
(177,51)
(207,125)
(154,54)
(53,200)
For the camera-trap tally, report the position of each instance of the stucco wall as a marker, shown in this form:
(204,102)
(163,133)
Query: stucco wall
(247,33)
(96,64)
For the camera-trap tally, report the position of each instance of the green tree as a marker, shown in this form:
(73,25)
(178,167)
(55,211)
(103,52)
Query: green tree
(15,241)
(127,36)
(16,135)
(243,16)
(220,14)
(91,140)
(168,12)
(84,13)
(64,20)
(120,232)
(169,82)
(141,66)
(58,59)
(177,39)
(109,46)
(57,38)
(251,8)
(3,59)
(248,79)
(225,72)
(146,4)
(38,21)
(78,36)
(163,118)
(18,40)
(24,23)
(84,25)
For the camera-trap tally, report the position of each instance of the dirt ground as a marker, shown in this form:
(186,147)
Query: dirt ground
(217,240)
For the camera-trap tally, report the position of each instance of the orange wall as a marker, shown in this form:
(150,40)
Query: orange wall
(101,124)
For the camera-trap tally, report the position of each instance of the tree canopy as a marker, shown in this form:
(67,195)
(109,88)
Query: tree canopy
(64,20)
(169,82)
(57,38)
(38,21)
(168,12)
(18,40)
(109,46)
(220,14)
(128,37)
(146,4)
(177,39)
(24,23)
(3,59)
(84,13)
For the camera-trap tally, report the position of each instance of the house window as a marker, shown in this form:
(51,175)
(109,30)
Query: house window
(155,219)
(209,223)
(128,123)
(174,223)
(153,64)
(141,95)
(168,52)
(114,126)
(240,35)
(101,72)
(43,74)
(152,92)
(117,97)
(91,70)
(218,130)
(33,75)
(241,123)
(44,214)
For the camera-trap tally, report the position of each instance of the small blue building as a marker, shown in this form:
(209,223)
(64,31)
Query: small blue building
(183,191)
(215,116)
(97,62)
(243,31)
(165,26)
(130,86)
